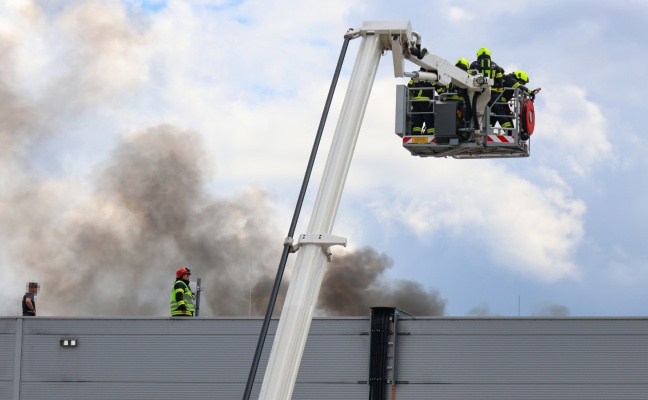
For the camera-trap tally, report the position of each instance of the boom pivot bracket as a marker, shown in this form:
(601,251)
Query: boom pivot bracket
(324,240)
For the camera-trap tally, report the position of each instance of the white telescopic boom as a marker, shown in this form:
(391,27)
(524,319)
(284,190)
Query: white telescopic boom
(308,272)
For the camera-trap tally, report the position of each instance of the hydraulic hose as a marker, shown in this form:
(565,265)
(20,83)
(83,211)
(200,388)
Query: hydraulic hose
(474,107)
(300,200)
(469,109)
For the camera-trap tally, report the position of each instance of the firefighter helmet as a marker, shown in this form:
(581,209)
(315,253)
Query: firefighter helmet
(462,63)
(522,76)
(182,271)
(483,52)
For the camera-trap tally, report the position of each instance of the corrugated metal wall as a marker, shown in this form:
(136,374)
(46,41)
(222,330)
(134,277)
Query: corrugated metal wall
(197,358)
(436,358)
(523,358)
(7,351)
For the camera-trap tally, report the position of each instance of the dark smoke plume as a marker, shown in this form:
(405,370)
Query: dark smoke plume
(354,282)
(116,254)
(150,214)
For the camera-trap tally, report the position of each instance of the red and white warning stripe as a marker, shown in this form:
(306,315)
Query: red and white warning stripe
(501,139)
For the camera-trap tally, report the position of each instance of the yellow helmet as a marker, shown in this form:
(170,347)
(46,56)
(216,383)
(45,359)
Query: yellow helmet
(462,63)
(522,76)
(483,51)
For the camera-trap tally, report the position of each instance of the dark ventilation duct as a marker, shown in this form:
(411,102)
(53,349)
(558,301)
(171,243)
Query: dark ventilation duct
(382,351)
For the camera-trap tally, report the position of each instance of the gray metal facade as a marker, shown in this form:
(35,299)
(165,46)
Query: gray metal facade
(435,358)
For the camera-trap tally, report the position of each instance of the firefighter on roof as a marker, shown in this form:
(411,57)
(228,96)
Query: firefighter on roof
(182,304)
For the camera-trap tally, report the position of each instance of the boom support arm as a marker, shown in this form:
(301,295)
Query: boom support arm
(395,36)
(306,280)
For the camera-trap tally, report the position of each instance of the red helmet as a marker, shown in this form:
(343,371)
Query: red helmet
(182,271)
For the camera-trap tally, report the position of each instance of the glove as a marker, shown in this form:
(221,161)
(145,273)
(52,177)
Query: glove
(182,308)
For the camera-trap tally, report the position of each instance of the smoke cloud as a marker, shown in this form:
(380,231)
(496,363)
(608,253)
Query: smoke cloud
(355,281)
(149,214)
(108,244)
(546,310)
(551,310)
(482,310)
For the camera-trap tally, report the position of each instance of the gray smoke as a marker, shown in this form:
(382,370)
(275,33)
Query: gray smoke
(551,310)
(482,310)
(150,214)
(110,245)
(356,281)
(17,123)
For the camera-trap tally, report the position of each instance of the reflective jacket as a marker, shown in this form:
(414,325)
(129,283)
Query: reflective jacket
(489,69)
(425,93)
(512,82)
(451,88)
(181,296)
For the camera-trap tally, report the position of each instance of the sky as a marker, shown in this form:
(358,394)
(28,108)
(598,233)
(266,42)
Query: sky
(141,136)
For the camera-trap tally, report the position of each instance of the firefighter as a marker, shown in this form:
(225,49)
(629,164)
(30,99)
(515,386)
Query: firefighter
(422,110)
(511,81)
(182,304)
(489,69)
(459,93)
(29,300)
(515,80)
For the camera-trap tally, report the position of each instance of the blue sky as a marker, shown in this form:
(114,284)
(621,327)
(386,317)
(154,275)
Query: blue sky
(562,230)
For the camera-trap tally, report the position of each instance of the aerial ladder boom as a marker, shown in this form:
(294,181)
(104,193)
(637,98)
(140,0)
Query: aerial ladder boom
(308,272)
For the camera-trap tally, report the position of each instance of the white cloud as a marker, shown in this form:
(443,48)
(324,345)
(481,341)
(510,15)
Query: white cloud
(571,129)
(459,15)
(523,227)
